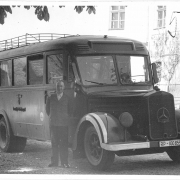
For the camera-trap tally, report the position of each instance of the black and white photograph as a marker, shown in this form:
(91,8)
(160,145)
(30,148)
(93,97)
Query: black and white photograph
(90,89)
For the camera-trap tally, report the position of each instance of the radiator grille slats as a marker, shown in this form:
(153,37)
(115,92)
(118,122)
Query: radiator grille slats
(162,123)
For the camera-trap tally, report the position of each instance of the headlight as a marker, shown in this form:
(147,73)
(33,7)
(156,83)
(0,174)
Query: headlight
(126,119)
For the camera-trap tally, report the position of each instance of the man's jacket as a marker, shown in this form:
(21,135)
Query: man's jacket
(57,110)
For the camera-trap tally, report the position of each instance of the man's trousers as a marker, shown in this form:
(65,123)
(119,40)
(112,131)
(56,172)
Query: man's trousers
(59,142)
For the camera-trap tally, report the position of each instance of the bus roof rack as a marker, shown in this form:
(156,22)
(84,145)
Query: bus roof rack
(28,39)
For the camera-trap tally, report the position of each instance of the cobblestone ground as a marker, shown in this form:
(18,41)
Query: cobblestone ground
(36,157)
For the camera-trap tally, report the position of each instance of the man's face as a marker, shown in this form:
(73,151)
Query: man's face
(59,87)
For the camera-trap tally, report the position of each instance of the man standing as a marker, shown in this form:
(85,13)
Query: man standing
(57,110)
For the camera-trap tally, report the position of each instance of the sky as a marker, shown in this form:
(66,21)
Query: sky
(62,20)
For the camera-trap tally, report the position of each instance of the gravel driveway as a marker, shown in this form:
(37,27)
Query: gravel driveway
(36,157)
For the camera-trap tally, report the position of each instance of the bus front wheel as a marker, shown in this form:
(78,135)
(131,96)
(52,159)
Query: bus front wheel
(99,158)
(9,142)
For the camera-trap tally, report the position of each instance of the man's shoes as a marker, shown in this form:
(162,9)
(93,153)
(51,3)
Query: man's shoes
(65,166)
(53,165)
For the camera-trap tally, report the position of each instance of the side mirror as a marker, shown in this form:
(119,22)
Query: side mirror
(154,70)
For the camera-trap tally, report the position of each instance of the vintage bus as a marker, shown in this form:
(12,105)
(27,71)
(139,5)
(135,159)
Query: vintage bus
(117,109)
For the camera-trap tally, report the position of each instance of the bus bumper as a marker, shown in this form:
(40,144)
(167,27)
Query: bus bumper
(139,145)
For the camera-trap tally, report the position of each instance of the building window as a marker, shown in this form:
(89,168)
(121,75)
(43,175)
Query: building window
(117,17)
(161,23)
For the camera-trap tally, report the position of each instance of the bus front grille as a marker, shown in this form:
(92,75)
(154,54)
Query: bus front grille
(162,123)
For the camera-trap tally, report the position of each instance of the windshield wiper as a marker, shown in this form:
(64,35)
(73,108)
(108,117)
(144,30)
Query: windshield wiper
(96,82)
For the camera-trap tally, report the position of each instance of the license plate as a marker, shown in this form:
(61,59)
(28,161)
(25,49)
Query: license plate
(169,143)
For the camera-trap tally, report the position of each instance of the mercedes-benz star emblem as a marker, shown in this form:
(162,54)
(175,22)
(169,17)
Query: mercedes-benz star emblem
(163,115)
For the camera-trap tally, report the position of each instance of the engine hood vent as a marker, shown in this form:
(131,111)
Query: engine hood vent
(82,47)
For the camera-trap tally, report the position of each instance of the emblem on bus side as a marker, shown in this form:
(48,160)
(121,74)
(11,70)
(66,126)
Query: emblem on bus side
(19,109)
(19,96)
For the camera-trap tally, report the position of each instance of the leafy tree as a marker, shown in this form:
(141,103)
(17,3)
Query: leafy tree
(158,50)
(166,52)
(41,11)
(3,13)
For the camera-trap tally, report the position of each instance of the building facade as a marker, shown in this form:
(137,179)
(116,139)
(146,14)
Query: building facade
(157,25)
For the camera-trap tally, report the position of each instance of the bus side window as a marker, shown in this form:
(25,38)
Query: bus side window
(35,71)
(20,75)
(6,73)
(54,68)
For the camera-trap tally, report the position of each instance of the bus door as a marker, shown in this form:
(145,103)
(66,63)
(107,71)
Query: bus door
(28,96)
(54,71)
(18,96)
(34,100)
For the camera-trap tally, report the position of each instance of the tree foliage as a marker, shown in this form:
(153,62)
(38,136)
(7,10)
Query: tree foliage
(3,13)
(90,9)
(166,52)
(41,12)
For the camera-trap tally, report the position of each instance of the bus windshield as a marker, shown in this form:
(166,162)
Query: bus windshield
(100,70)
(97,70)
(133,69)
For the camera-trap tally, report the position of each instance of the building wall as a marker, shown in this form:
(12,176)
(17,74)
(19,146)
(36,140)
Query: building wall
(136,23)
(141,24)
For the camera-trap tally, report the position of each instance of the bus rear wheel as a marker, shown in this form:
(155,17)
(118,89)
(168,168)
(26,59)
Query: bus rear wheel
(9,142)
(99,158)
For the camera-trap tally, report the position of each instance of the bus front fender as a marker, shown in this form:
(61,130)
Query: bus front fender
(107,127)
